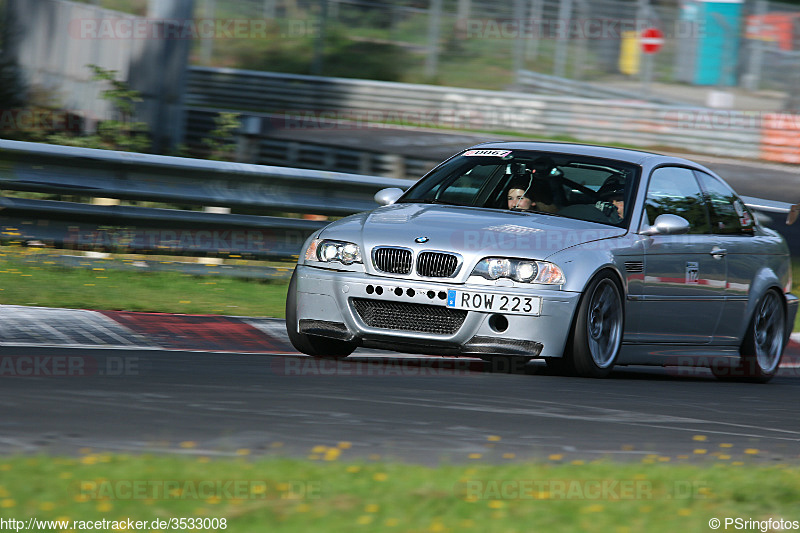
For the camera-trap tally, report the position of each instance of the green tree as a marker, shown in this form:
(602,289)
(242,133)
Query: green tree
(120,133)
(221,141)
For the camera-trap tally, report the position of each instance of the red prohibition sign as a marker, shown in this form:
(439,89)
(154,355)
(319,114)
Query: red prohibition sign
(651,40)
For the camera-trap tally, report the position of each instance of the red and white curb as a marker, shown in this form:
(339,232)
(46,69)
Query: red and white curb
(79,328)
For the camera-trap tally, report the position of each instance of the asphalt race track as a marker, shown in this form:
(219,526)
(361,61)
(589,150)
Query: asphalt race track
(146,394)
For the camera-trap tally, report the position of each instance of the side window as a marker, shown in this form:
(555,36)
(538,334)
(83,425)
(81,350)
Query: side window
(729,215)
(675,190)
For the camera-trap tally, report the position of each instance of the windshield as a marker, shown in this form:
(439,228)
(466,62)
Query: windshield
(585,188)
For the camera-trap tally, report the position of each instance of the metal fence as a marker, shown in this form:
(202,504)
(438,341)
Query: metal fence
(566,38)
(434,39)
(437,40)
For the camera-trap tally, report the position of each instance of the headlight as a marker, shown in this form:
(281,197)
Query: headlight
(520,270)
(327,251)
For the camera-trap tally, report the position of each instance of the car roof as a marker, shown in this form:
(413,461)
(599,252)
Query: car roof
(637,157)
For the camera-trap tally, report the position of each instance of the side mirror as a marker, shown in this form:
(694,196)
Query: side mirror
(388,196)
(667,224)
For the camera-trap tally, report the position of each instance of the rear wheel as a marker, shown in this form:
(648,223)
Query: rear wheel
(597,330)
(311,344)
(763,344)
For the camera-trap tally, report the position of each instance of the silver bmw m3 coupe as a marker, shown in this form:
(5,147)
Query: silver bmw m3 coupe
(584,256)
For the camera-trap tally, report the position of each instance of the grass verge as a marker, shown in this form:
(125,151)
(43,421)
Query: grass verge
(278,494)
(325,494)
(34,283)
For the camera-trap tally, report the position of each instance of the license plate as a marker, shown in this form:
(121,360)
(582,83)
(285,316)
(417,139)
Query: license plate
(494,303)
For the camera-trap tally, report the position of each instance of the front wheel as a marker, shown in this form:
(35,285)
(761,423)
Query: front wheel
(597,330)
(311,344)
(763,344)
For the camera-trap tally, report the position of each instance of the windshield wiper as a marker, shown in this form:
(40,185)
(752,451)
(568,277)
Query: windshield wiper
(429,201)
(523,212)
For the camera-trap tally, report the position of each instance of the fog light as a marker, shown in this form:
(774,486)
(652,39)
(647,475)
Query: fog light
(499,268)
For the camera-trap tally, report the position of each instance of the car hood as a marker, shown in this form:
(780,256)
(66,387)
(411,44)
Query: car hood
(467,230)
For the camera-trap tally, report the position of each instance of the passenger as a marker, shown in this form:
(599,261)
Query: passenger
(610,206)
(612,192)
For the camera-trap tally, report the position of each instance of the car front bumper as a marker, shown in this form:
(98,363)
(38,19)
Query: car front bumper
(339,305)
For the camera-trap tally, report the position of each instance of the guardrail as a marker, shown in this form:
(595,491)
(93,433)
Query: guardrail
(696,129)
(133,176)
(546,84)
(86,173)
(265,147)
(90,173)
(140,230)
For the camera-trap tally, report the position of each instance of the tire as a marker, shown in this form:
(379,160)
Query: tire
(313,345)
(597,329)
(763,343)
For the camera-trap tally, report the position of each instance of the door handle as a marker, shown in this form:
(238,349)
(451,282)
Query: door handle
(718,253)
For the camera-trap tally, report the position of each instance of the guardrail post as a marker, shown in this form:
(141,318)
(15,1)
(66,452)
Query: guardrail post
(92,253)
(329,158)
(292,153)
(365,163)
(105,201)
(217,210)
(397,166)
(248,140)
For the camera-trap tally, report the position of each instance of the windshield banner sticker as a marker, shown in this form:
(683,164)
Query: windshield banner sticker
(487,153)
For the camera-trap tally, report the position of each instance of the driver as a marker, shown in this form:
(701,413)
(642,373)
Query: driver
(529,194)
(519,198)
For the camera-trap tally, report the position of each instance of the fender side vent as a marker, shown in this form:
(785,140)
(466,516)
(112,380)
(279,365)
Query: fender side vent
(634,267)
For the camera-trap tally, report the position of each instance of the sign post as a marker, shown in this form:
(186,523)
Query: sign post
(651,41)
